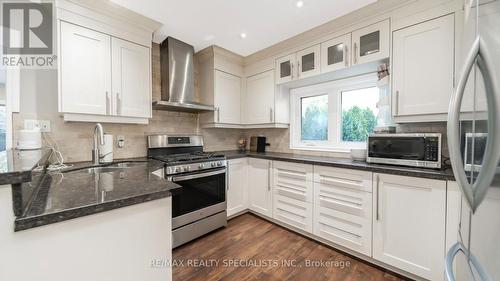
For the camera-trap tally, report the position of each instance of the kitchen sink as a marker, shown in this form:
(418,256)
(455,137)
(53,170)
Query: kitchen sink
(114,167)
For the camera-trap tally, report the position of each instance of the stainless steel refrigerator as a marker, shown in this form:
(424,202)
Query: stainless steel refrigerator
(474,147)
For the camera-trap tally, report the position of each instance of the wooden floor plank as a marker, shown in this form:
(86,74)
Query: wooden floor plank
(251,248)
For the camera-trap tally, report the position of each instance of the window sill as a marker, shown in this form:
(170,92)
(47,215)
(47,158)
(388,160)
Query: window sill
(322,149)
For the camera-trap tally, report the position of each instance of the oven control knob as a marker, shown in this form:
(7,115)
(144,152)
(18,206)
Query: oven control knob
(214,164)
(219,163)
(188,168)
(201,166)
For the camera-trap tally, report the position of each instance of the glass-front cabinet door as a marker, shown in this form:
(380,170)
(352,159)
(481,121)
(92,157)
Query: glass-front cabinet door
(335,53)
(371,43)
(285,69)
(308,62)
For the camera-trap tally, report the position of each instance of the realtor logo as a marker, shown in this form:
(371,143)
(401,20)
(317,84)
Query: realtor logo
(28,35)
(34,23)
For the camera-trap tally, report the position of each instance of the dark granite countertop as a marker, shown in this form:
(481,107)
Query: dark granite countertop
(446,174)
(16,165)
(77,192)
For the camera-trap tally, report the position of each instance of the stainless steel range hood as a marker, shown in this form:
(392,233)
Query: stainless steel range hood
(177,78)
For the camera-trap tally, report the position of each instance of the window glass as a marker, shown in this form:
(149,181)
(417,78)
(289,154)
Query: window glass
(3,98)
(359,113)
(314,120)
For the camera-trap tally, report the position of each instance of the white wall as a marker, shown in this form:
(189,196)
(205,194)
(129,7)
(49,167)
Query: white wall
(117,245)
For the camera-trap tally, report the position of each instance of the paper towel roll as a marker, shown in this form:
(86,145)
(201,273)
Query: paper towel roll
(106,150)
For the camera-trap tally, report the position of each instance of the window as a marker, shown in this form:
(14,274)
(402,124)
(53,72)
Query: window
(314,118)
(334,116)
(359,113)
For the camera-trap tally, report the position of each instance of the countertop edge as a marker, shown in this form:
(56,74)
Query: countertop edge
(396,170)
(22,176)
(26,223)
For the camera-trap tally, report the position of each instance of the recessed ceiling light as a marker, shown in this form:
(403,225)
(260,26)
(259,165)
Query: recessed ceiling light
(243,35)
(300,4)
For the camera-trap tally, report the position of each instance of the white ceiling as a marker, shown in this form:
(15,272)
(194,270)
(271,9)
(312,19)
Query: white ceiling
(202,23)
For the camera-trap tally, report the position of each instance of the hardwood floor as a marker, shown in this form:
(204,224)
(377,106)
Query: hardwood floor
(250,248)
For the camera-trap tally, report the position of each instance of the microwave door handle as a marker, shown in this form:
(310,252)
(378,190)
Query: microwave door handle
(472,261)
(475,192)
(196,176)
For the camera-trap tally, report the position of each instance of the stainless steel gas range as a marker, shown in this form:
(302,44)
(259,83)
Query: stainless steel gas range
(200,205)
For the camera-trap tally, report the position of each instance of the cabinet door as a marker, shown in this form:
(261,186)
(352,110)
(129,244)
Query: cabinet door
(131,79)
(409,224)
(371,43)
(335,53)
(343,207)
(293,188)
(260,195)
(285,69)
(423,67)
(308,62)
(227,98)
(85,70)
(259,99)
(237,186)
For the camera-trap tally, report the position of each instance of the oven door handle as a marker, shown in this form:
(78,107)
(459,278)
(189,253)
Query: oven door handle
(196,176)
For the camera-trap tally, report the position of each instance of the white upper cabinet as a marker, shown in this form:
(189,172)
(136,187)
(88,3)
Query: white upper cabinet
(308,62)
(335,53)
(409,224)
(259,98)
(371,43)
(104,63)
(85,70)
(286,69)
(423,67)
(131,79)
(227,98)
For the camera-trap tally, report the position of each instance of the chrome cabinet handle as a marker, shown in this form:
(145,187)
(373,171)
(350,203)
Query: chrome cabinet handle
(108,104)
(396,103)
(227,176)
(345,56)
(271,114)
(269,171)
(377,214)
(118,104)
(472,261)
(355,53)
(298,69)
(292,70)
(218,114)
(475,192)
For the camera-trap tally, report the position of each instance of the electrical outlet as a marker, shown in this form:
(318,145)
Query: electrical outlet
(43,125)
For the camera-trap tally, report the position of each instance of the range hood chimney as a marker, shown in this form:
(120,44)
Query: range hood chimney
(177,78)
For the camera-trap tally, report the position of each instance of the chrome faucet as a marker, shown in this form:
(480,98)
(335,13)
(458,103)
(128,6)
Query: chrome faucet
(98,132)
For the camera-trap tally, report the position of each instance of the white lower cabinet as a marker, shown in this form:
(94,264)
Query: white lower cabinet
(236,191)
(343,207)
(409,224)
(293,190)
(259,186)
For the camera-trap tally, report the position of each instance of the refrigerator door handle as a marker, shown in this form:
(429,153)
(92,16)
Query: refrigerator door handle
(475,192)
(472,261)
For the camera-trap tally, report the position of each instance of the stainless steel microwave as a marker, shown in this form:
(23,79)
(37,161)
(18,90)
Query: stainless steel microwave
(414,150)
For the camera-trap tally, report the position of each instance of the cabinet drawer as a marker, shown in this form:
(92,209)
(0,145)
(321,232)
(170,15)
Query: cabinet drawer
(293,212)
(346,178)
(343,216)
(293,180)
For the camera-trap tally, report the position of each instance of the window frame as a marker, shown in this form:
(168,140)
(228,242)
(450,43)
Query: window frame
(334,91)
